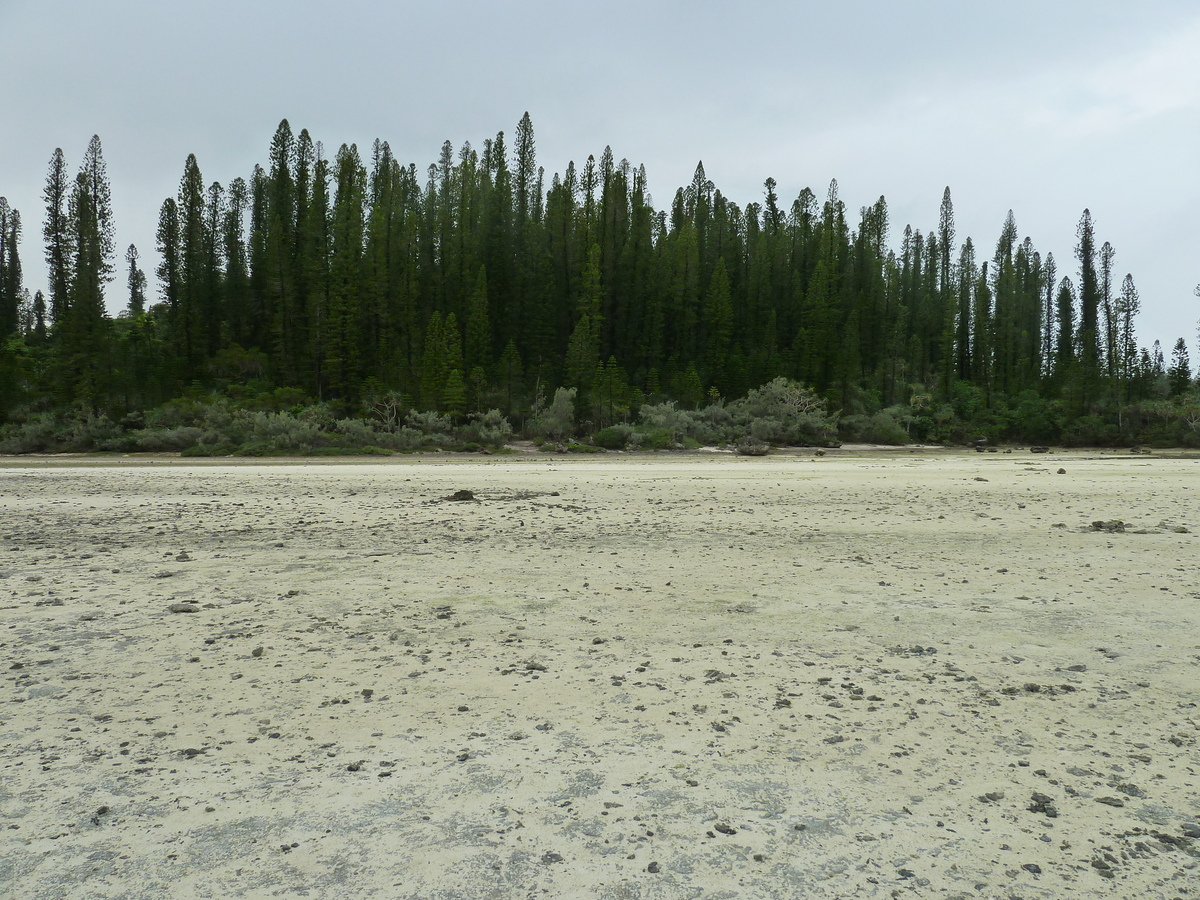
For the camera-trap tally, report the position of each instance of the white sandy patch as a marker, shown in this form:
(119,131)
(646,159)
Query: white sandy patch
(613,677)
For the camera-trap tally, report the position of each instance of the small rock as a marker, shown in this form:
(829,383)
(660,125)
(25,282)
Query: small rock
(460,496)
(1032,868)
(653,868)
(1062,471)
(1110,801)
(550,857)
(257,652)
(725,828)
(183,608)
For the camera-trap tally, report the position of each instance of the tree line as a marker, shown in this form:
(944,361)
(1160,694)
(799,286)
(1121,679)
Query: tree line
(481,283)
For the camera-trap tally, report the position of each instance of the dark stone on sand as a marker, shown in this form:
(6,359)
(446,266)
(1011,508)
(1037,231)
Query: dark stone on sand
(460,496)
(724,828)
(551,857)
(1043,803)
(1032,868)
(256,652)
(1062,471)
(1110,801)
(1039,449)
(653,868)
(183,608)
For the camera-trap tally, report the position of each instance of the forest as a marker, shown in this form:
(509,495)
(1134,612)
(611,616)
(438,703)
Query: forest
(356,304)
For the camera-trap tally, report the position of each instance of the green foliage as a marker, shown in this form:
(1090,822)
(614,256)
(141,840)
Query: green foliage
(614,437)
(557,420)
(378,289)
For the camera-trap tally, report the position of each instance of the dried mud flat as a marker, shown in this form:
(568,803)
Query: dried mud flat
(879,675)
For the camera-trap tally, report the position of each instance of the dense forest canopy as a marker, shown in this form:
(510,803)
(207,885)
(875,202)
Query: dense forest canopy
(371,289)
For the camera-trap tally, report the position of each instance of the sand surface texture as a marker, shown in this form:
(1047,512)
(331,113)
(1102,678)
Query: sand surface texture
(661,677)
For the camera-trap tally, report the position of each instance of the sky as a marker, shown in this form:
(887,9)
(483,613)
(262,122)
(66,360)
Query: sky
(1042,108)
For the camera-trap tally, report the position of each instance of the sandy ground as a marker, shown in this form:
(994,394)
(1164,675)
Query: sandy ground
(874,675)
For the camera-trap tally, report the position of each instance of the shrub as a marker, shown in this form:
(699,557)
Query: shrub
(790,413)
(556,421)
(491,429)
(615,437)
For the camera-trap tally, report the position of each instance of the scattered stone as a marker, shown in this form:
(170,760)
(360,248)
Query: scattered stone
(191,752)
(550,857)
(256,652)
(653,868)
(752,446)
(1032,868)
(1062,471)
(1113,526)
(725,828)
(1039,449)
(183,608)
(532,665)
(1110,801)
(461,496)
(1078,667)
(367,693)
(1043,804)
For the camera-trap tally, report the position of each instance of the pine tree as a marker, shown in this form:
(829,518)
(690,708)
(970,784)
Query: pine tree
(341,322)
(1089,308)
(479,330)
(11,286)
(60,247)
(1179,375)
(92,230)
(136,282)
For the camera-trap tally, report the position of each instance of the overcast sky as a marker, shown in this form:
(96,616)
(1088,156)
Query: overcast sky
(1043,107)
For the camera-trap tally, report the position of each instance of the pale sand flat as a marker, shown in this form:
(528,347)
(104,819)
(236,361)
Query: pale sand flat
(612,677)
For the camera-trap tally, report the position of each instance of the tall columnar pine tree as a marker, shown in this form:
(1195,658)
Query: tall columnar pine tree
(1179,375)
(1089,311)
(344,316)
(136,281)
(93,240)
(11,285)
(59,237)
